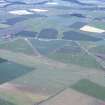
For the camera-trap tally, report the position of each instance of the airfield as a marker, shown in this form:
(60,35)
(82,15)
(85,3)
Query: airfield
(52,52)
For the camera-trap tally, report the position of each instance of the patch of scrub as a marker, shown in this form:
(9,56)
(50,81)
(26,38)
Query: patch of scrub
(90,88)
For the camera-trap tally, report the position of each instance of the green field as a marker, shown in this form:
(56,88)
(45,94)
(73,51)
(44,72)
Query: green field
(98,49)
(2,26)
(98,25)
(10,71)
(38,24)
(46,47)
(2,60)
(19,45)
(45,55)
(73,55)
(90,88)
(79,58)
(52,77)
(4,102)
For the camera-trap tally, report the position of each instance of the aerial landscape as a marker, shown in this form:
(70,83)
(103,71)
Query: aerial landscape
(52,52)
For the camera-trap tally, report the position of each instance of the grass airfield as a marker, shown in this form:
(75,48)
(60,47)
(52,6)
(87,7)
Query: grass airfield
(52,53)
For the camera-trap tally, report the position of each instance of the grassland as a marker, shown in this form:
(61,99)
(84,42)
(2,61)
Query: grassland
(2,26)
(10,71)
(4,102)
(98,49)
(46,47)
(99,25)
(12,93)
(72,97)
(51,49)
(78,59)
(28,79)
(18,45)
(90,88)
(37,79)
(37,25)
(2,60)
(65,51)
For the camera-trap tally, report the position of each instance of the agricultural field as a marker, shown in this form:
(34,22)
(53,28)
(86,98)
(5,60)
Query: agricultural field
(68,53)
(96,49)
(90,88)
(70,97)
(46,47)
(28,34)
(3,26)
(48,34)
(22,46)
(98,25)
(4,102)
(76,36)
(52,52)
(10,70)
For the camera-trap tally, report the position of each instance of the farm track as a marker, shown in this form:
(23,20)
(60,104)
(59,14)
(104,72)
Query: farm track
(34,49)
(92,55)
